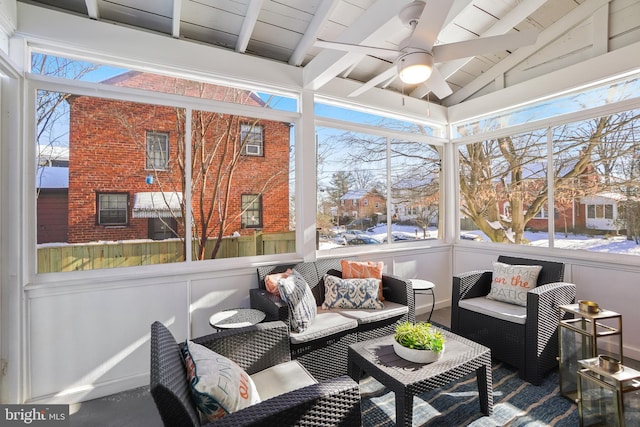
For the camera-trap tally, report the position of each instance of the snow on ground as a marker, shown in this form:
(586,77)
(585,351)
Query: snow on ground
(605,244)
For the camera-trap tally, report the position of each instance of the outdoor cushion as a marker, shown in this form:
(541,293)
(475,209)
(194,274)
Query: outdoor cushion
(281,378)
(364,316)
(502,310)
(327,323)
(295,291)
(271,281)
(363,270)
(510,283)
(351,293)
(218,385)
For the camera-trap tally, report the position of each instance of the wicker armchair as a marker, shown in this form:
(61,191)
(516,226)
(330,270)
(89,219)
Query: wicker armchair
(530,344)
(329,403)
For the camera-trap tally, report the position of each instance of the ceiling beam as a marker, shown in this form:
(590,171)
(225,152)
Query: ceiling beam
(502,26)
(92,9)
(175,18)
(329,63)
(554,31)
(249,23)
(325,9)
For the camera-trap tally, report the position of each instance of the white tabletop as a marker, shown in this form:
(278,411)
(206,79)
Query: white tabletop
(236,318)
(421,285)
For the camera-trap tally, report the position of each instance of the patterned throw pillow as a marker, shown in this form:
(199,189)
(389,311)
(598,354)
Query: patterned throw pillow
(363,270)
(271,281)
(295,291)
(351,293)
(511,283)
(218,385)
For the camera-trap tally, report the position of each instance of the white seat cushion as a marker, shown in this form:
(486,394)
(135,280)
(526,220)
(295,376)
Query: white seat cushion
(325,324)
(282,378)
(498,309)
(364,316)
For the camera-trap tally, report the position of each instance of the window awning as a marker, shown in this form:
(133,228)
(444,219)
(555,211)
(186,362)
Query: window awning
(157,204)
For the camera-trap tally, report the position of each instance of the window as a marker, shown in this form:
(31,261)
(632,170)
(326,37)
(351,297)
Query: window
(251,139)
(112,208)
(600,211)
(251,211)
(157,150)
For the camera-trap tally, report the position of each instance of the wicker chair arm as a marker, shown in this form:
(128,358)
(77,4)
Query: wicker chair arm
(543,301)
(399,290)
(253,348)
(272,305)
(472,284)
(334,402)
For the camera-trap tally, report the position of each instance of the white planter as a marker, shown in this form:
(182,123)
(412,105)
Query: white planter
(416,356)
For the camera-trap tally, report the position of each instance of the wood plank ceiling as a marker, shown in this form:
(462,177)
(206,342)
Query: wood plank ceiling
(286,30)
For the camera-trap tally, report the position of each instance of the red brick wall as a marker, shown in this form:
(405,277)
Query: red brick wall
(107,146)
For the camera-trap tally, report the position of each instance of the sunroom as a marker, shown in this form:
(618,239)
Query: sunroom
(504,156)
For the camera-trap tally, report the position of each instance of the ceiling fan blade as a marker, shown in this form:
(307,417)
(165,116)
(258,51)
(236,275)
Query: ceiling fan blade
(483,45)
(388,74)
(436,84)
(357,48)
(431,21)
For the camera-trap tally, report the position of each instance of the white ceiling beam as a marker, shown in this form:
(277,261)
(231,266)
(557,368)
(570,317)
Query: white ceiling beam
(557,29)
(175,18)
(249,23)
(325,9)
(601,31)
(329,63)
(502,26)
(92,9)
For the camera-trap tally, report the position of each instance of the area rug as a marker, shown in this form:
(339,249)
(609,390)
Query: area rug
(515,403)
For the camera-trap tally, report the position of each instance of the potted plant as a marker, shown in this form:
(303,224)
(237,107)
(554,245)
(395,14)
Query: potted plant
(418,342)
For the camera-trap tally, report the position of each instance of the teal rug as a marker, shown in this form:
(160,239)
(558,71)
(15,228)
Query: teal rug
(515,403)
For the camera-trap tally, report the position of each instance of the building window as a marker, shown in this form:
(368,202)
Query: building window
(251,211)
(112,208)
(252,139)
(157,150)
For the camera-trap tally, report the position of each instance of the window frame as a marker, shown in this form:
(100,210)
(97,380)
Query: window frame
(250,140)
(256,198)
(99,210)
(150,155)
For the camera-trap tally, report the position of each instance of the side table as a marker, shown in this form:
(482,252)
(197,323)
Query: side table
(236,318)
(424,287)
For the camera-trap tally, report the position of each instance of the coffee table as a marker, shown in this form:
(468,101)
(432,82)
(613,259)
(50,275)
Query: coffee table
(406,379)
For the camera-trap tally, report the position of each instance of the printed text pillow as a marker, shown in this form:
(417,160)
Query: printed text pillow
(511,283)
(351,293)
(218,385)
(363,270)
(271,281)
(295,291)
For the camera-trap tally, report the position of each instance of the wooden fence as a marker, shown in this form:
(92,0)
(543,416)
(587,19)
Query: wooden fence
(92,256)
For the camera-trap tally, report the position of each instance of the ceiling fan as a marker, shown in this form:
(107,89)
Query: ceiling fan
(414,60)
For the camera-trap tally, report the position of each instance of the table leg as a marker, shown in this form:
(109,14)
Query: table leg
(404,408)
(354,371)
(485,388)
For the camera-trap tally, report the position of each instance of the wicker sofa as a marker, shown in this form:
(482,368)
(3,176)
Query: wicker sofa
(322,349)
(335,402)
(524,337)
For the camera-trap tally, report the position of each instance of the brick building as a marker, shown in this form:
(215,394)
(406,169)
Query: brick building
(125,173)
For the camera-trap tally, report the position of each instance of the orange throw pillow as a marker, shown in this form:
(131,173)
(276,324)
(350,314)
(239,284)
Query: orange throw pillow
(363,270)
(271,281)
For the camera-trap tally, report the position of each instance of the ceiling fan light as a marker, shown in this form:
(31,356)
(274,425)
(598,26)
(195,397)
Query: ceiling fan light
(415,67)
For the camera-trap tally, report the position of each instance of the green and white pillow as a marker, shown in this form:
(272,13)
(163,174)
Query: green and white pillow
(351,293)
(295,291)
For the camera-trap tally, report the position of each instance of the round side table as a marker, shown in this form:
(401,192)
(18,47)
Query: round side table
(236,318)
(424,287)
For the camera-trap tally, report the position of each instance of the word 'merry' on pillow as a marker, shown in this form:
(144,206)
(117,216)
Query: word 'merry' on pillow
(271,281)
(363,270)
(510,283)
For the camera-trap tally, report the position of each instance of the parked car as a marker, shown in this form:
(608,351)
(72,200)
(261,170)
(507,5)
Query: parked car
(471,236)
(363,240)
